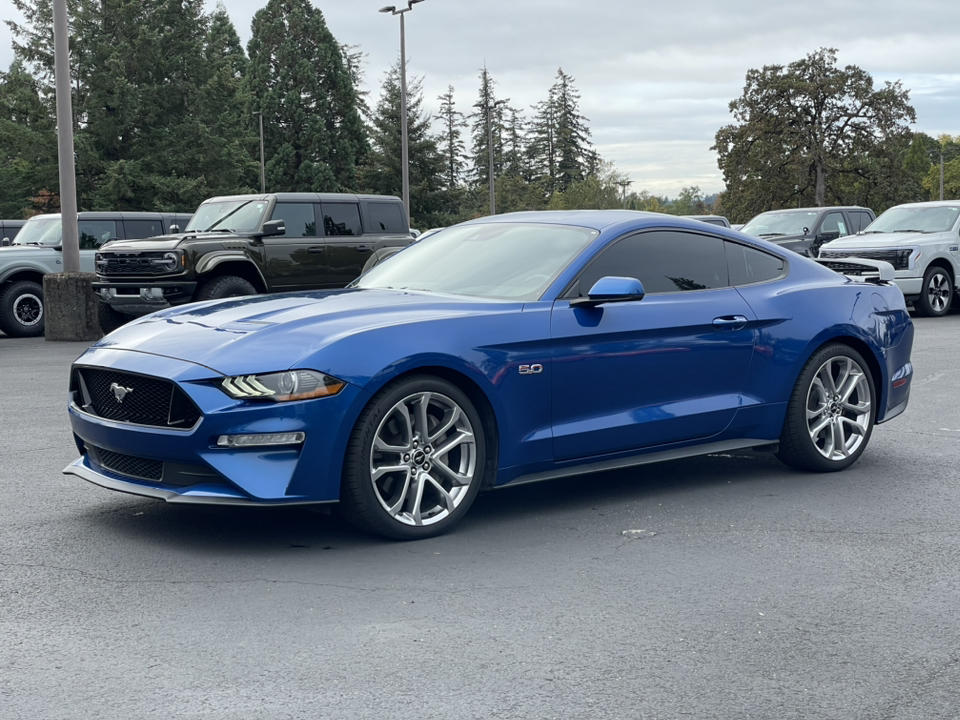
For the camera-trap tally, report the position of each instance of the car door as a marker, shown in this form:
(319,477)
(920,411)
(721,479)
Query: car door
(295,259)
(346,247)
(664,369)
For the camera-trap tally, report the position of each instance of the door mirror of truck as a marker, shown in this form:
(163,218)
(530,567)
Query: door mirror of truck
(273,227)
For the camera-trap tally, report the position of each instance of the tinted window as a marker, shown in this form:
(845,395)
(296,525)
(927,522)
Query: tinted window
(834,222)
(664,261)
(298,218)
(10,231)
(341,219)
(386,217)
(94,233)
(143,228)
(860,220)
(748,265)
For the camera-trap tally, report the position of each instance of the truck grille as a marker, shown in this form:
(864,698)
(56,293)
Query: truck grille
(127,397)
(899,258)
(120,264)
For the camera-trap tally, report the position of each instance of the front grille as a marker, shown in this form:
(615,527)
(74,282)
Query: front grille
(899,258)
(127,397)
(118,264)
(128,465)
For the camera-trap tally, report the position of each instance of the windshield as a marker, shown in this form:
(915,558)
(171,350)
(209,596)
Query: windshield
(498,260)
(39,231)
(907,219)
(228,215)
(773,224)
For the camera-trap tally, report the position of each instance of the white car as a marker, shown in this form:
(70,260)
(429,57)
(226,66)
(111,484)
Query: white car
(922,243)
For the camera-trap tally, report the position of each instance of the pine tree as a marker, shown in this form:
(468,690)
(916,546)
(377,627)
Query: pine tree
(299,79)
(383,175)
(452,140)
(574,153)
(487,119)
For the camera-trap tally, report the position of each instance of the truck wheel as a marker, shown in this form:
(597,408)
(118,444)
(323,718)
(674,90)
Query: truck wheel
(936,294)
(224,286)
(21,309)
(110,319)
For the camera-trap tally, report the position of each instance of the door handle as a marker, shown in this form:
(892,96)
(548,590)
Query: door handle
(364,249)
(315,249)
(729,322)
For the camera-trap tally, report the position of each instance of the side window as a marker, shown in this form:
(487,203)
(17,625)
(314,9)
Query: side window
(94,233)
(341,219)
(749,265)
(862,220)
(664,261)
(142,228)
(386,217)
(834,222)
(298,218)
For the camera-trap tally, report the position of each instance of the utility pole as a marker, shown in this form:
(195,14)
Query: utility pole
(263,172)
(624,184)
(70,243)
(941,176)
(490,175)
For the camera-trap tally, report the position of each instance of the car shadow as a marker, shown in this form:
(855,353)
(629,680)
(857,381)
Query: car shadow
(240,531)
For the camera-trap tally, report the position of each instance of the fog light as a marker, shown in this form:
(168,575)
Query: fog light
(261,439)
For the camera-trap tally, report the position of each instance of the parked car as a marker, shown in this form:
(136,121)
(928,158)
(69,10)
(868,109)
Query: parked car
(922,243)
(9,230)
(712,219)
(804,230)
(249,244)
(36,250)
(505,350)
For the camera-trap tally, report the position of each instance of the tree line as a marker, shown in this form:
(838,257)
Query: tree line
(167,104)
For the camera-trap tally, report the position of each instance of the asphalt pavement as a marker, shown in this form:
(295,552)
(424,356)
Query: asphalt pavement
(741,589)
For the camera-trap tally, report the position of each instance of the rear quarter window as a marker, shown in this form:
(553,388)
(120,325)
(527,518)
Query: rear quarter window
(385,218)
(749,266)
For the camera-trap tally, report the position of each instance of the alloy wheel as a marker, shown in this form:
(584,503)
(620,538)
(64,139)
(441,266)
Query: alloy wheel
(27,309)
(839,408)
(423,459)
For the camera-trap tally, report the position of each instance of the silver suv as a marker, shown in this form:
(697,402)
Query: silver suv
(922,242)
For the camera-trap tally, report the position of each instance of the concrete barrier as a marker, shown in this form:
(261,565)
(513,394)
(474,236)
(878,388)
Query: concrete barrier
(70,307)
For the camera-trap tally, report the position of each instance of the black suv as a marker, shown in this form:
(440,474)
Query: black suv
(248,244)
(804,230)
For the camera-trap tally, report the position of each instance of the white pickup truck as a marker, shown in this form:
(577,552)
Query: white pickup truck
(922,242)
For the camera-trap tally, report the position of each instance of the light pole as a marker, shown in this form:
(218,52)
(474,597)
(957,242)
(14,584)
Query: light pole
(493,194)
(263,172)
(624,184)
(70,242)
(404,163)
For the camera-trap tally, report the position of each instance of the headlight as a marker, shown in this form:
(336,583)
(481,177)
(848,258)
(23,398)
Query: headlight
(169,261)
(282,386)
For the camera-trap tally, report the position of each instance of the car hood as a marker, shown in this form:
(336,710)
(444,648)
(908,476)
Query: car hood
(22,251)
(881,240)
(236,335)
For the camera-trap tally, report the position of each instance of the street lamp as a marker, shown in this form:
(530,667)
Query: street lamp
(624,184)
(493,194)
(263,174)
(404,170)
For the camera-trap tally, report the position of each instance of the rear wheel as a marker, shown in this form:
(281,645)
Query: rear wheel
(936,295)
(415,461)
(224,286)
(21,309)
(831,412)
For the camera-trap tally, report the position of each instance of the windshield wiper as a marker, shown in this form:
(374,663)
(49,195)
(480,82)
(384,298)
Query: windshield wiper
(772,234)
(924,232)
(232,212)
(873,232)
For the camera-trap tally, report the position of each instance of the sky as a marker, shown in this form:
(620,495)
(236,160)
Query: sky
(655,79)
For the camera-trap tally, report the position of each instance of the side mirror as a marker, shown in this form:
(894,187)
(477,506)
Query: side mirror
(611,289)
(5,242)
(273,227)
(828,236)
(174,229)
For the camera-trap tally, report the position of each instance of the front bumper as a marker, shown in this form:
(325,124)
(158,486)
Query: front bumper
(141,297)
(190,467)
(909,286)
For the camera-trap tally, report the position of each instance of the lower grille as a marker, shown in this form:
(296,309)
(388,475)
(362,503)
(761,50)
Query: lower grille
(128,465)
(127,397)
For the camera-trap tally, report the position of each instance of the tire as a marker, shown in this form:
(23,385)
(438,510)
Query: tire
(936,294)
(224,286)
(110,319)
(407,478)
(831,412)
(21,309)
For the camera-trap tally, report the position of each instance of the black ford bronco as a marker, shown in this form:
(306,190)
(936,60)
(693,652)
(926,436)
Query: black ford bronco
(248,244)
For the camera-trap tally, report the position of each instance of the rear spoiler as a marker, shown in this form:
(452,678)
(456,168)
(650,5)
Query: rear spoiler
(877,272)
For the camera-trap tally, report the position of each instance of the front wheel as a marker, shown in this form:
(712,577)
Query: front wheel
(831,412)
(224,286)
(415,461)
(21,309)
(936,295)
(110,319)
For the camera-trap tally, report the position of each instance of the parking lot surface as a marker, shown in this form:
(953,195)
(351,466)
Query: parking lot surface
(720,587)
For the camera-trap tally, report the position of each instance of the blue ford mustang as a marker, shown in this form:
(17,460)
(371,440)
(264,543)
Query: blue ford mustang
(504,350)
